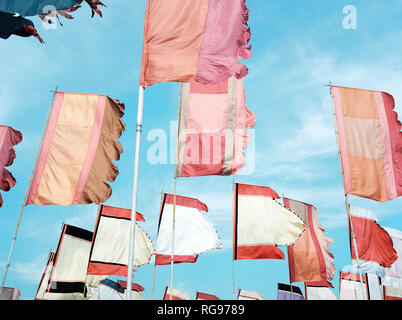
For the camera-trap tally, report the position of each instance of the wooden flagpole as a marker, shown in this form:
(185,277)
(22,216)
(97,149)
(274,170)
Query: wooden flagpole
(26,193)
(134,196)
(346,196)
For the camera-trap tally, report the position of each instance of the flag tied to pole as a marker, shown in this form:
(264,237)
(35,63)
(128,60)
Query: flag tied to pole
(194,232)
(288,292)
(373,243)
(350,287)
(8,139)
(77,151)
(212,134)
(319,291)
(261,224)
(194,40)
(370,143)
(110,245)
(176,294)
(309,258)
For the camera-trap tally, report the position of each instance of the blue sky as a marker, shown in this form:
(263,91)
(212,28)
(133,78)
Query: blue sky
(298,47)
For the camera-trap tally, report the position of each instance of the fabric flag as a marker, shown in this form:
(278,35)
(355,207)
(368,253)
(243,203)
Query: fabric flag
(194,232)
(77,151)
(37,7)
(44,281)
(136,289)
(370,143)
(205,296)
(110,246)
(10,294)
(350,287)
(176,294)
(68,275)
(373,243)
(309,258)
(289,292)
(8,139)
(393,275)
(319,291)
(261,224)
(249,295)
(194,40)
(107,290)
(13,24)
(212,134)
(392,293)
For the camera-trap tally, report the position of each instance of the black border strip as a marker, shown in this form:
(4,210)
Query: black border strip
(78,232)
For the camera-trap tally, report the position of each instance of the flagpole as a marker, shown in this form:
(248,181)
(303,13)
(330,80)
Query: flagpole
(290,281)
(25,196)
(346,196)
(153,284)
(135,188)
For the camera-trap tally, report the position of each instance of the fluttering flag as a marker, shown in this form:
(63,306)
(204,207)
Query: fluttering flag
(44,281)
(110,245)
(13,24)
(107,290)
(194,40)
(309,258)
(262,224)
(194,232)
(288,292)
(67,279)
(77,151)
(392,293)
(370,143)
(393,275)
(205,296)
(319,291)
(373,243)
(248,295)
(212,134)
(9,137)
(350,287)
(136,289)
(176,294)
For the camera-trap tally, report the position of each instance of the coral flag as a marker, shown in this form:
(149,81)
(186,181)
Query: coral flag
(205,296)
(261,224)
(77,151)
(393,274)
(372,241)
(370,143)
(176,294)
(309,258)
(194,232)
(212,132)
(8,139)
(194,40)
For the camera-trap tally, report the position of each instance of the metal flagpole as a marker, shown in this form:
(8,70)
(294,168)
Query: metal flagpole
(346,196)
(135,188)
(153,284)
(26,193)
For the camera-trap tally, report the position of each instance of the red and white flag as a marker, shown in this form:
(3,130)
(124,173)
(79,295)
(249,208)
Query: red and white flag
(373,243)
(249,295)
(261,224)
(319,291)
(176,294)
(350,287)
(205,296)
(194,232)
(212,128)
(393,274)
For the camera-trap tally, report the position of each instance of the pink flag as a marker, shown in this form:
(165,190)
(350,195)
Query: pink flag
(8,139)
(194,40)
(212,134)
(205,296)
(370,143)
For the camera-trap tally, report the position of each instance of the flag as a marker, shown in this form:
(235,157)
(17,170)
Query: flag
(8,139)
(289,292)
(392,293)
(350,287)
(248,295)
(212,124)
(309,258)
(110,245)
(194,232)
(44,281)
(319,291)
(77,151)
(370,143)
(14,24)
(38,7)
(373,243)
(261,224)
(68,275)
(107,290)
(205,296)
(176,294)
(393,275)
(194,40)
(136,289)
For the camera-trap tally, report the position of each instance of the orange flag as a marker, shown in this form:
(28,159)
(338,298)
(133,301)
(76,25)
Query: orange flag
(370,143)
